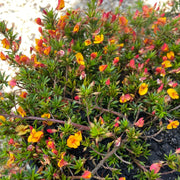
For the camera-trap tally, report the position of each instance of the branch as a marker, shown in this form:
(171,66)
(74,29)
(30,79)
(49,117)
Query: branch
(99,108)
(177,107)
(80,127)
(104,159)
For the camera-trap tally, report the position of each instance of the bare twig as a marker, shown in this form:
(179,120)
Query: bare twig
(138,164)
(80,127)
(104,159)
(169,172)
(154,135)
(177,107)
(120,158)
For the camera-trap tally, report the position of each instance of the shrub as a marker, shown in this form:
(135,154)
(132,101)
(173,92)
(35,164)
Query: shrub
(96,82)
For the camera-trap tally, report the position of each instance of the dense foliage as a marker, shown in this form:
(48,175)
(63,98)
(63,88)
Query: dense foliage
(94,84)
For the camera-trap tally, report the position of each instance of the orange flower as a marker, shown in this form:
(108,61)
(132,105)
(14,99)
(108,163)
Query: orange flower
(172,93)
(60,5)
(173,124)
(140,122)
(10,160)
(2,118)
(76,28)
(102,68)
(23,94)
(5,43)
(2,56)
(35,136)
(21,111)
(74,140)
(87,42)
(38,21)
(170,55)
(122,178)
(161,21)
(86,175)
(47,50)
(98,39)
(143,89)
(46,115)
(123,21)
(21,129)
(80,59)
(166,64)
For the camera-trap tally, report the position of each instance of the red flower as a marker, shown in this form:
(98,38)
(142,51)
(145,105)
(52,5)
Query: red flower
(93,55)
(160,88)
(165,47)
(132,64)
(99,2)
(108,82)
(76,98)
(38,21)
(115,61)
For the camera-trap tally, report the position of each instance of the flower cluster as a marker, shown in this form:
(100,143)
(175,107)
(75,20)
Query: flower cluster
(93,87)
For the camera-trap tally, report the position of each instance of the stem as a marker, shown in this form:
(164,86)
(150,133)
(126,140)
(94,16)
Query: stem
(104,159)
(80,127)
(177,107)
(102,109)
(138,164)
(154,135)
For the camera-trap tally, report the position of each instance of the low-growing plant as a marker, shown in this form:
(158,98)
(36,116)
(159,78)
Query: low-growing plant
(95,83)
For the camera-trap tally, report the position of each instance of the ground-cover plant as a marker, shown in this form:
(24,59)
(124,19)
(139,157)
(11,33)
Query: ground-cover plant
(95,84)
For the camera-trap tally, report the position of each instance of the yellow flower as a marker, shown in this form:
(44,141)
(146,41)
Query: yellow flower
(166,64)
(62,163)
(2,56)
(80,59)
(98,39)
(87,42)
(35,136)
(170,55)
(172,93)
(5,43)
(10,160)
(60,5)
(76,28)
(173,124)
(2,118)
(21,129)
(21,111)
(78,135)
(74,140)
(46,115)
(143,89)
